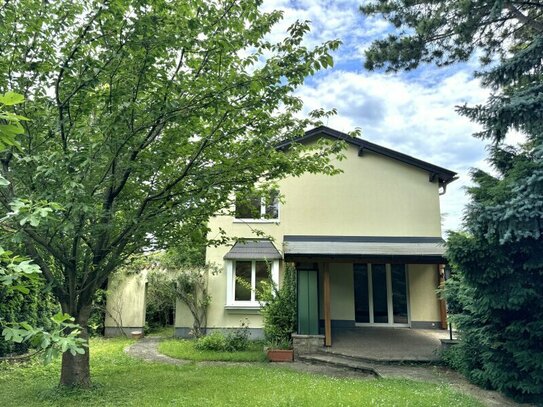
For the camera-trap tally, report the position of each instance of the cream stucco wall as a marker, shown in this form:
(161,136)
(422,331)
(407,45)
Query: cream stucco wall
(423,282)
(373,196)
(126,301)
(341,292)
(217,315)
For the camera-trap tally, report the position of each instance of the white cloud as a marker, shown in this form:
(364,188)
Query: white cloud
(410,112)
(329,20)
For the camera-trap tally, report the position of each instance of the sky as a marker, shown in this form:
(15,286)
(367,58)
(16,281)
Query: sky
(412,112)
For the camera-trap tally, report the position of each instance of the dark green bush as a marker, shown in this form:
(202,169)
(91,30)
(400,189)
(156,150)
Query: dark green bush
(235,341)
(279,310)
(496,292)
(238,339)
(160,299)
(216,341)
(98,315)
(36,308)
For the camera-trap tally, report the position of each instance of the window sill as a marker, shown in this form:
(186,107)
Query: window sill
(256,221)
(240,308)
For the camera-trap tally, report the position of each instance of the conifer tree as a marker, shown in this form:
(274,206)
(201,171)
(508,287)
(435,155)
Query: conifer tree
(497,258)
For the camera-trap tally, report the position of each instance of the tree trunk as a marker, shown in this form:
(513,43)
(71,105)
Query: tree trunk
(75,370)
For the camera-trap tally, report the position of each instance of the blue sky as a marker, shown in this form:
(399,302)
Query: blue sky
(412,112)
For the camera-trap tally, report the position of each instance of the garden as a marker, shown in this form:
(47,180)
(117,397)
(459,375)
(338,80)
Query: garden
(120,380)
(125,126)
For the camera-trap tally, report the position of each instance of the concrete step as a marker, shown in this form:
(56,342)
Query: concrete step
(407,360)
(340,362)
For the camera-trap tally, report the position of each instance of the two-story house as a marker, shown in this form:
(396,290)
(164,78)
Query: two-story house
(366,244)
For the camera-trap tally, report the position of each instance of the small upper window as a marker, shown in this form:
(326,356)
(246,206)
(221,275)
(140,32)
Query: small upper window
(257,207)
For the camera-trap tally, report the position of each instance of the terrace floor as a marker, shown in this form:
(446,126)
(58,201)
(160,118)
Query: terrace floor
(388,344)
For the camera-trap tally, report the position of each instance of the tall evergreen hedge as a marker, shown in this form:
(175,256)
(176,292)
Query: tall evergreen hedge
(496,293)
(500,314)
(497,290)
(36,308)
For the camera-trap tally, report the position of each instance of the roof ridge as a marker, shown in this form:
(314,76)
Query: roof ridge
(443,175)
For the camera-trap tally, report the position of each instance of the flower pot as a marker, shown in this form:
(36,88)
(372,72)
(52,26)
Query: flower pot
(136,334)
(280,355)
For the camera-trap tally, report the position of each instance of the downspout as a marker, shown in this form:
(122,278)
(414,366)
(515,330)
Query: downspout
(442,302)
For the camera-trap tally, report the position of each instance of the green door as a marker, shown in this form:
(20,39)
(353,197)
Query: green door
(308,304)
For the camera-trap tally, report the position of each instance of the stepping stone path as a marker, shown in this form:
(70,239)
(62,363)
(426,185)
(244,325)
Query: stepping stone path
(146,349)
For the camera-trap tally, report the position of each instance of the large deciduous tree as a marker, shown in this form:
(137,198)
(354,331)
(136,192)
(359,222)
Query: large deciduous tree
(23,300)
(146,116)
(497,260)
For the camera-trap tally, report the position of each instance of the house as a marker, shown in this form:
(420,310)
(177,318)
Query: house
(366,244)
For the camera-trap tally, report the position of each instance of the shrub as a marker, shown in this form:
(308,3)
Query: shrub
(185,283)
(279,310)
(35,308)
(96,323)
(191,289)
(238,339)
(215,341)
(496,296)
(159,299)
(235,341)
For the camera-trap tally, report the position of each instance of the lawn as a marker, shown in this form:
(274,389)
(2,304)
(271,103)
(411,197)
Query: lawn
(184,349)
(164,331)
(123,381)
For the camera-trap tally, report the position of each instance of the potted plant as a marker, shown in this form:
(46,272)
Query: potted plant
(280,352)
(279,314)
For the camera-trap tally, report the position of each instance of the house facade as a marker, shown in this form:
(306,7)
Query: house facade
(366,244)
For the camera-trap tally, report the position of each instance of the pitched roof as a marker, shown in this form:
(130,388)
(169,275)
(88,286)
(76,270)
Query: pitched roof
(258,249)
(436,173)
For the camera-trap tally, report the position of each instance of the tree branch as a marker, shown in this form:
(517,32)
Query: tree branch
(75,49)
(523,18)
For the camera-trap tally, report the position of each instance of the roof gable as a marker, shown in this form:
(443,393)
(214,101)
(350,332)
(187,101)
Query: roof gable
(436,173)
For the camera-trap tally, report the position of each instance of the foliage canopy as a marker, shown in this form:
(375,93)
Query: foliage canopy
(147,115)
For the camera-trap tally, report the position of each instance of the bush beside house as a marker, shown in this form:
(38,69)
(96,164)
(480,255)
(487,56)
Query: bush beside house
(279,311)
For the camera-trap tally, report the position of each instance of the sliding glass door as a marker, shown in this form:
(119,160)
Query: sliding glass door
(380,294)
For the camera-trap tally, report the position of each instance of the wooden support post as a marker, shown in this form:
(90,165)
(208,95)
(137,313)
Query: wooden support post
(442,302)
(327,320)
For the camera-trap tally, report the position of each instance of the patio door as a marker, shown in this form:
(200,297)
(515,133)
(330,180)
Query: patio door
(380,294)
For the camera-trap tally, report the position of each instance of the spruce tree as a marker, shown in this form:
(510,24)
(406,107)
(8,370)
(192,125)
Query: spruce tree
(497,258)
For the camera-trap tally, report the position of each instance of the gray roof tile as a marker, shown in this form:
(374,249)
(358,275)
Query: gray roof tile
(253,250)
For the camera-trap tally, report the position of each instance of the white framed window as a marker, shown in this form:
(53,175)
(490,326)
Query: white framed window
(244,278)
(258,208)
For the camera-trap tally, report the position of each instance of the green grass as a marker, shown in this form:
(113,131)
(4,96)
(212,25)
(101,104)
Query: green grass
(123,381)
(163,331)
(184,349)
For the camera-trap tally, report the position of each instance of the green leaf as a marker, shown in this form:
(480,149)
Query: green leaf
(11,98)
(21,289)
(10,130)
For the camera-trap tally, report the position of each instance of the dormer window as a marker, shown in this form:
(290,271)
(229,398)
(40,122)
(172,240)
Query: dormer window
(259,208)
